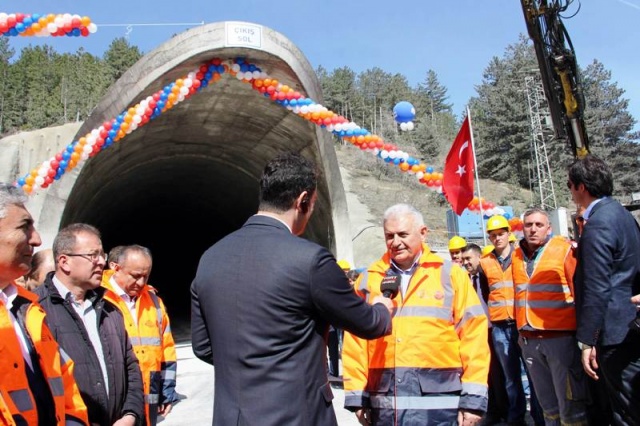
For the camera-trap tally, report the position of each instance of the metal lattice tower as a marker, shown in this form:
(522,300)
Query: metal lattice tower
(539,113)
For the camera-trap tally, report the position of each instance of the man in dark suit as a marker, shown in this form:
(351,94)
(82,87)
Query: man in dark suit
(262,302)
(606,278)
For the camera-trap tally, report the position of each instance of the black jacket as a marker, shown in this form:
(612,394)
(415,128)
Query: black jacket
(608,274)
(125,379)
(262,302)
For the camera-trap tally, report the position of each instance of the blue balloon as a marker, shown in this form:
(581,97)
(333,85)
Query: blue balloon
(404,112)
(429,169)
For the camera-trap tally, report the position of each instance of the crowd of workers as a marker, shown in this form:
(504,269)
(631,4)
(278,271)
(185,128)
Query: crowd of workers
(79,345)
(544,321)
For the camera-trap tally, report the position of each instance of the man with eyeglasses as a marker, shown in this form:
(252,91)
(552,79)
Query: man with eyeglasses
(91,330)
(147,323)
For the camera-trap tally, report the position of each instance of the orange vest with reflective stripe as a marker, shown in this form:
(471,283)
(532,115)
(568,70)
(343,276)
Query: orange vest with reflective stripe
(151,339)
(15,394)
(501,293)
(545,301)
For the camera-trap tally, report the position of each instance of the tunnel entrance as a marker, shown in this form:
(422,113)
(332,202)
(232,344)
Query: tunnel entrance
(190,176)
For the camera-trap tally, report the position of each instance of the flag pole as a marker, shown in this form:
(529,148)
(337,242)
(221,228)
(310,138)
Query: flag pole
(475,168)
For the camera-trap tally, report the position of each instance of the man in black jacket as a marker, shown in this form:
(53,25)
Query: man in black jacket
(262,301)
(606,277)
(91,330)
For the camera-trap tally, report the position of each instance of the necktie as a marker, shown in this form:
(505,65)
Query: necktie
(476,285)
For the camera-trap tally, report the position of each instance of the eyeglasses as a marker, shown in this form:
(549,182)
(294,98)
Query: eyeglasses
(91,257)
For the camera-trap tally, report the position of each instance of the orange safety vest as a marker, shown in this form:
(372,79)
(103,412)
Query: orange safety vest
(545,300)
(438,341)
(17,404)
(501,293)
(151,339)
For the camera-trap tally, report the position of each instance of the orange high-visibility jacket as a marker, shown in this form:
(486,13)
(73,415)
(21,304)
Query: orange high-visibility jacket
(152,343)
(438,344)
(545,300)
(17,404)
(501,293)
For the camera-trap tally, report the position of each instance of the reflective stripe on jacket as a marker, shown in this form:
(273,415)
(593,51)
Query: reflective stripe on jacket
(438,345)
(152,343)
(501,293)
(545,301)
(17,403)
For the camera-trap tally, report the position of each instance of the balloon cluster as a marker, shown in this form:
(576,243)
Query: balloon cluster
(487,208)
(181,89)
(23,24)
(516,224)
(404,113)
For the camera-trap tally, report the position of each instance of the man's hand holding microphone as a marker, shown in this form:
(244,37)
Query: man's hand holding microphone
(389,287)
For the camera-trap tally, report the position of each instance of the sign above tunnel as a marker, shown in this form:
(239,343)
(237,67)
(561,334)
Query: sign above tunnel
(243,34)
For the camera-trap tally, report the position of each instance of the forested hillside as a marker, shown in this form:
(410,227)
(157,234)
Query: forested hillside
(40,87)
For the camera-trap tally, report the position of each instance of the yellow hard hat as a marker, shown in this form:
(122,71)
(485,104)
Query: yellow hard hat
(344,265)
(512,238)
(456,243)
(498,222)
(487,249)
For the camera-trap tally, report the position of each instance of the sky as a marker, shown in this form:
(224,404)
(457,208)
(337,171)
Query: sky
(456,39)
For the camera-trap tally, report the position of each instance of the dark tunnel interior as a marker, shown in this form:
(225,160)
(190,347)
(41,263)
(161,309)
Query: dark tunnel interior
(178,193)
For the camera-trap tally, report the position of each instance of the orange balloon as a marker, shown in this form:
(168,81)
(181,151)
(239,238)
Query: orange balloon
(404,166)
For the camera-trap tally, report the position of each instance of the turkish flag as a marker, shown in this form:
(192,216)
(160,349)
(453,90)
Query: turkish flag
(457,182)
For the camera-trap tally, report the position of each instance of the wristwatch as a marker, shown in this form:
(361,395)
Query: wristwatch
(584,346)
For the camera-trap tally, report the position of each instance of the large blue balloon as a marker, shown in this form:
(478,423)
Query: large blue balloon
(404,112)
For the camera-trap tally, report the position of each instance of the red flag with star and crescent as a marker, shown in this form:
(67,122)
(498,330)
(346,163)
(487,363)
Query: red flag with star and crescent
(457,182)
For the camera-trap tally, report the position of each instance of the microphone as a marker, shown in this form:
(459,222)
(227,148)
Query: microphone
(390,285)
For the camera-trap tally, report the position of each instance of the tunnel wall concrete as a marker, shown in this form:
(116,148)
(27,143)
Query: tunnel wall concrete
(278,56)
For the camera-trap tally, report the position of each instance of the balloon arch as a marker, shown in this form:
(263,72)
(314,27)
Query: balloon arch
(153,106)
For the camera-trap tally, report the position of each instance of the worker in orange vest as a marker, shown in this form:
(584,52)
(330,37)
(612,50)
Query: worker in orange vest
(36,385)
(496,266)
(457,245)
(543,269)
(147,324)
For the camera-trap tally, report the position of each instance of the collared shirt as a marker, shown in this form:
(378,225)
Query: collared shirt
(87,313)
(7,296)
(406,274)
(587,212)
(128,300)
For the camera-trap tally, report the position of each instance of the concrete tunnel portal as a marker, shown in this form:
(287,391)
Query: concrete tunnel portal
(190,177)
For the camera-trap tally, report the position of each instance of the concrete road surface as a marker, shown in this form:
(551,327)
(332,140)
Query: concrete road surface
(195,383)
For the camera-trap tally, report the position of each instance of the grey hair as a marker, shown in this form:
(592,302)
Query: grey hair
(10,195)
(403,210)
(65,241)
(534,210)
(134,248)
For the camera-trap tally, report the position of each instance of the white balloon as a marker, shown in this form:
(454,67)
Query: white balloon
(384,154)
(420,175)
(403,126)
(39,180)
(410,125)
(92,28)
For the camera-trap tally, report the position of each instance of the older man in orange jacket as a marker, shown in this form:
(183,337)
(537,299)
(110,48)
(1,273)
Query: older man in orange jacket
(147,323)
(433,368)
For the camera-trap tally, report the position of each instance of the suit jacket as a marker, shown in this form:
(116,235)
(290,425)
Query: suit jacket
(607,275)
(262,301)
